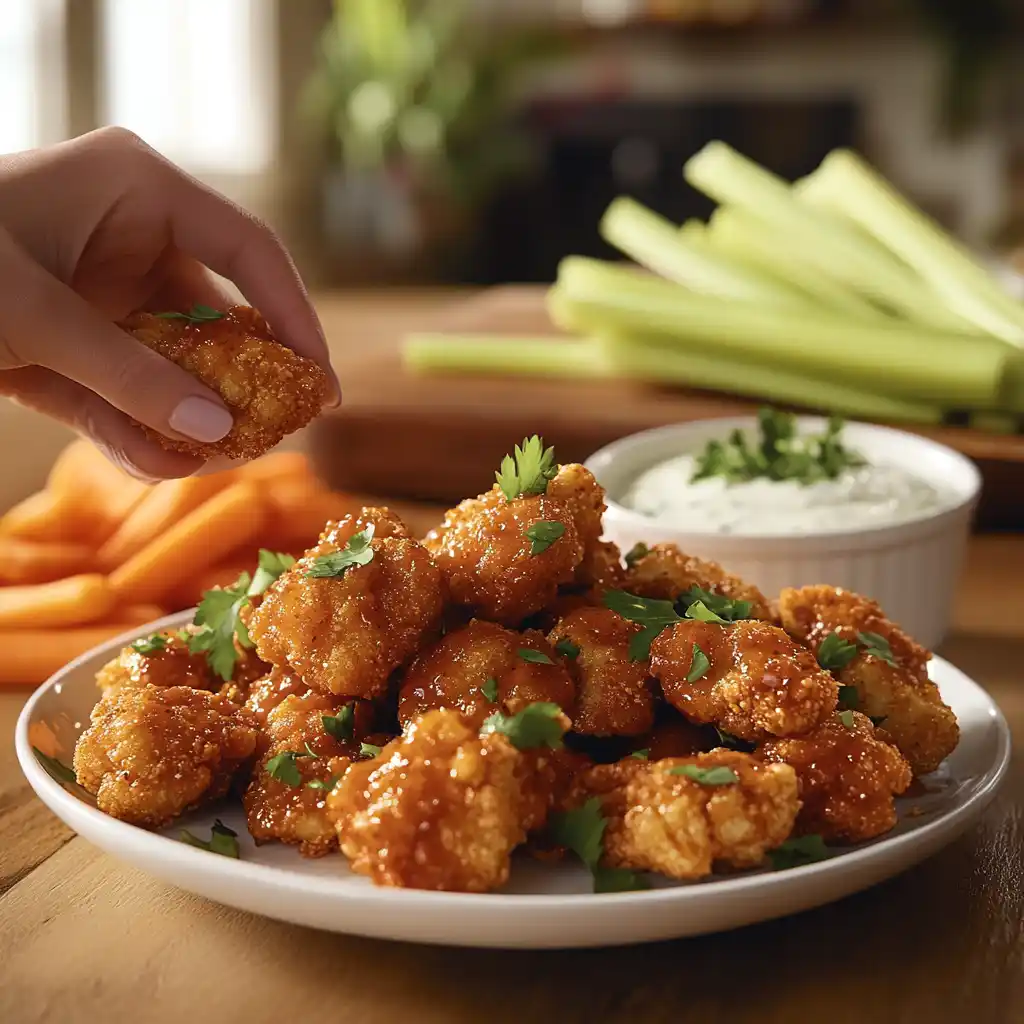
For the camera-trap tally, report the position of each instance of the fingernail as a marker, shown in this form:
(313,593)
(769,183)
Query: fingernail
(201,420)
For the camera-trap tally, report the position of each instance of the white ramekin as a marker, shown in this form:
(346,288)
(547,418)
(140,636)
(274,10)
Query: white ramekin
(911,569)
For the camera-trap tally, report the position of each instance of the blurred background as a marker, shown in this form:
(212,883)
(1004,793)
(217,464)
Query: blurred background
(478,141)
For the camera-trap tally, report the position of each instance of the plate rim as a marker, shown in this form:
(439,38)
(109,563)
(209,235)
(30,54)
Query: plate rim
(156,847)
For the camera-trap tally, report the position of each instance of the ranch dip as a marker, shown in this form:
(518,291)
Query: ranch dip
(864,496)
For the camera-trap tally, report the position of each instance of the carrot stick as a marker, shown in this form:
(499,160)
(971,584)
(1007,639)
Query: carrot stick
(23,561)
(138,614)
(160,509)
(223,574)
(29,656)
(75,601)
(202,538)
(45,517)
(277,466)
(299,509)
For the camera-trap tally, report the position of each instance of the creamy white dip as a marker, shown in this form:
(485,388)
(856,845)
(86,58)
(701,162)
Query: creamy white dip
(863,497)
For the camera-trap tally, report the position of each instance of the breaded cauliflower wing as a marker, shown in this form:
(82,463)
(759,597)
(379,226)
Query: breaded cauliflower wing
(170,665)
(848,778)
(661,820)
(613,695)
(759,681)
(480,668)
(152,753)
(270,690)
(292,806)
(923,728)
(439,808)
(270,390)
(665,572)
(346,634)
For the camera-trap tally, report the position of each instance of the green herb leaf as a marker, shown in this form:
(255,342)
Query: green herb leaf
(779,454)
(846,717)
(699,664)
(653,614)
(849,698)
(727,609)
(57,770)
(342,725)
(184,634)
(490,690)
(198,314)
(726,739)
(328,785)
(358,551)
(642,755)
(284,767)
(719,775)
(635,553)
(369,749)
(582,831)
(542,535)
(567,649)
(217,617)
(223,840)
(536,657)
(271,566)
(878,647)
(795,852)
(537,725)
(702,613)
(835,653)
(150,644)
(528,470)
(310,752)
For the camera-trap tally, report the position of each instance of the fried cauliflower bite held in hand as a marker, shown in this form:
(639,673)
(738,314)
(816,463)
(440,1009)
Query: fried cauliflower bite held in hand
(613,695)
(270,390)
(759,682)
(345,634)
(481,668)
(161,660)
(150,754)
(287,798)
(659,819)
(441,807)
(848,778)
(664,572)
(923,728)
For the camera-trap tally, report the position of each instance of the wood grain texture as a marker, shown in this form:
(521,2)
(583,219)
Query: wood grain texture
(85,939)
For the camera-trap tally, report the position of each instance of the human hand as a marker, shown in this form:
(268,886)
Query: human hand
(95,228)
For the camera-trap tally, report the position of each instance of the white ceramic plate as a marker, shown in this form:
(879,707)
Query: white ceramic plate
(543,905)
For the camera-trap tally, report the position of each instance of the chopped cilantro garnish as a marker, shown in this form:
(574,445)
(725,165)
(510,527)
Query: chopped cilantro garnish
(702,613)
(877,646)
(795,852)
(223,840)
(490,690)
(369,749)
(536,657)
(342,725)
(537,725)
(271,566)
(542,535)
(328,785)
(835,653)
(643,754)
(220,625)
(846,717)
(567,648)
(699,664)
(357,551)
(653,614)
(725,608)
(849,698)
(635,553)
(726,739)
(284,767)
(57,770)
(779,454)
(528,470)
(718,775)
(198,314)
(150,644)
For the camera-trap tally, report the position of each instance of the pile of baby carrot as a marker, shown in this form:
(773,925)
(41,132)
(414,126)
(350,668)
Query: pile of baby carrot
(96,552)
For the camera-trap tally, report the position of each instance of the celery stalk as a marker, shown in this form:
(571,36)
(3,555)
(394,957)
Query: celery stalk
(942,369)
(846,185)
(502,354)
(743,236)
(659,245)
(726,176)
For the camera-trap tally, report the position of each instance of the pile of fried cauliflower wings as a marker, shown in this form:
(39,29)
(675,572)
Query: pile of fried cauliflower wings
(426,707)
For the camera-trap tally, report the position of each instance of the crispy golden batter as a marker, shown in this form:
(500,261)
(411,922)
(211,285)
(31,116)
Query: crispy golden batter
(150,754)
(346,634)
(760,682)
(665,572)
(575,485)
(175,665)
(848,778)
(920,724)
(298,814)
(270,390)
(455,672)
(440,808)
(601,569)
(613,697)
(269,691)
(675,825)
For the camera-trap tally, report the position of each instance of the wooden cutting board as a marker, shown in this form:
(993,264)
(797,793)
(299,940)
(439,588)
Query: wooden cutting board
(440,438)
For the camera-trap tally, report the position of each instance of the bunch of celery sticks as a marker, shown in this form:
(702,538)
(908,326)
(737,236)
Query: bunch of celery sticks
(833,293)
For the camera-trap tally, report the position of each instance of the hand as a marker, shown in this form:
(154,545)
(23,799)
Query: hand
(102,225)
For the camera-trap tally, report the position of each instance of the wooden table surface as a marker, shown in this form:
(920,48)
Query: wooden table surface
(85,939)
